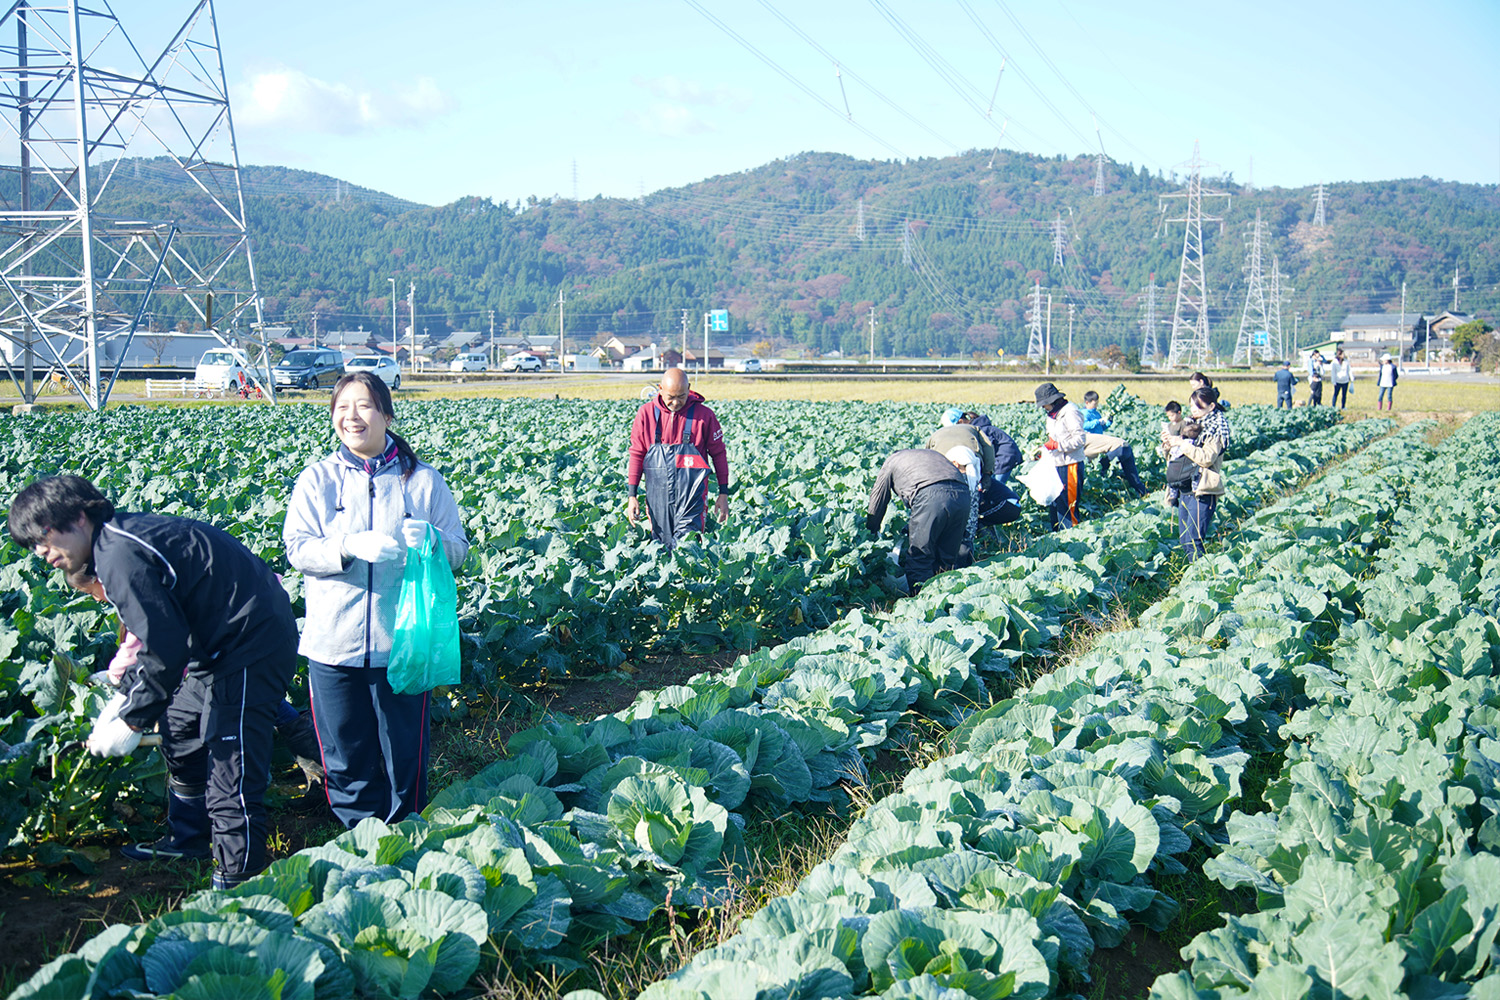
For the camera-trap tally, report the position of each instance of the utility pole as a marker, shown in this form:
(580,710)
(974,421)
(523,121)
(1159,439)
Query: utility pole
(1253,318)
(1049,334)
(684,339)
(1149,350)
(395,339)
(1190,314)
(705,343)
(491,352)
(560,348)
(1455,288)
(315,329)
(1296,335)
(411,311)
(1059,239)
(1035,346)
(1319,215)
(1070,333)
(872,335)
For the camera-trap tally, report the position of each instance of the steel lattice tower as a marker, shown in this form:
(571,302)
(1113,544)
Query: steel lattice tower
(1277,338)
(1149,350)
(1059,239)
(1320,200)
(1190,314)
(79,96)
(1036,344)
(1099,175)
(1253,317)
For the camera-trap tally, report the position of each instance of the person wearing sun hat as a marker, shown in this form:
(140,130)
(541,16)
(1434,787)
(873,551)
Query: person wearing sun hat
(1065,451)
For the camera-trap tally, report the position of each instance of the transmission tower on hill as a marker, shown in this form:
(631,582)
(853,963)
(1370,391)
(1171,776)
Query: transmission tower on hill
(1098,175)
(1190,315)
(1149,350)
(1273,326)
(1320,217)
(1254,339)
(79,95)
(1036,345)
(1059,239)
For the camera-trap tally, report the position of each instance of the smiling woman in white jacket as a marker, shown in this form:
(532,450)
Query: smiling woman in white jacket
(352,519)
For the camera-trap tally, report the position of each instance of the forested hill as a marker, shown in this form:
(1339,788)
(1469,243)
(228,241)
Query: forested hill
(945,252)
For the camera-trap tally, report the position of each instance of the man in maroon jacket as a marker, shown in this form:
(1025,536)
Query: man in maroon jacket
(672,442)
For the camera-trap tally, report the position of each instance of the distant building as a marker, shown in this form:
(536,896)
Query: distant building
(649,359)
(1439,329)
(1366,336)
(617,350)
(694,359)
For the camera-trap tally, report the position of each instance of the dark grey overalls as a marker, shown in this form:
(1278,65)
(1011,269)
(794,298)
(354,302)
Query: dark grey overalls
(676,483)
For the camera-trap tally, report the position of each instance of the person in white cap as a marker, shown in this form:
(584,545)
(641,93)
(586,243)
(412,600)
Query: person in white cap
(1389,375)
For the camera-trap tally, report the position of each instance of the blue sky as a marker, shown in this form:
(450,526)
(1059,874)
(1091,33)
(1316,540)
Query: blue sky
(435,101)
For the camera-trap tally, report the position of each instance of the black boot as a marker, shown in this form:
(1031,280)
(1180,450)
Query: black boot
(187,830)
(300,737)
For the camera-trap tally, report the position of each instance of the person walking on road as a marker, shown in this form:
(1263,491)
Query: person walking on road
(353,519)
(1343,376)
(205,609)
(1285,380)
(1064,450)
(936,495)
(673,441)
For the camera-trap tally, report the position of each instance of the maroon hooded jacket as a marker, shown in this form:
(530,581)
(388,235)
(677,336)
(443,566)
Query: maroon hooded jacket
(708,437)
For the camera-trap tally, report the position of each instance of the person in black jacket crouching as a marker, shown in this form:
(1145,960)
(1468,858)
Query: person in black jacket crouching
(208,612)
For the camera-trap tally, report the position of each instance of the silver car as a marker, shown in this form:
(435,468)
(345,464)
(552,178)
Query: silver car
(381,367)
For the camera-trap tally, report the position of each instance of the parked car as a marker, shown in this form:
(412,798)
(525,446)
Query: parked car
(521,363)
(219,366)
(309,368)
(471,361)
(381,367)
(748,366)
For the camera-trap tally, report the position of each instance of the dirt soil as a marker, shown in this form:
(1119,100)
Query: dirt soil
(48,911)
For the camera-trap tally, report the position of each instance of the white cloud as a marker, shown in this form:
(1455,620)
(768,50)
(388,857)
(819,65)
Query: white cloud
(672,88)
(670,120)
(291,99)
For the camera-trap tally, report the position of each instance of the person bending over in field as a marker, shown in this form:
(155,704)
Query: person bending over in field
(204,607)
(998,503)
(673,440)
(936,495)
(183,749)
(352,520)
(1107,447)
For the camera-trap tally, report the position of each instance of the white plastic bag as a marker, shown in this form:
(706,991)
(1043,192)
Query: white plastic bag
(1042,482)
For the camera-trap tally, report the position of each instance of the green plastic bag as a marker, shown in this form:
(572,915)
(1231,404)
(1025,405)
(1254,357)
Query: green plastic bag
(424,652)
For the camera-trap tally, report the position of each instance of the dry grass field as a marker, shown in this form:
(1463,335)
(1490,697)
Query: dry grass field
(1417,394)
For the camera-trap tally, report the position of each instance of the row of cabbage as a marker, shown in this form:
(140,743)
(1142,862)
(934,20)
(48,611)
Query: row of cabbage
(558,582)
(584,831)
(997,871)
(1377,868)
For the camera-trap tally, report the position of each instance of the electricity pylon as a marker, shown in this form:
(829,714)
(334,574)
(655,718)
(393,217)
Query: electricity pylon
(1319,202)
(1190,314)
(1149,350)
(79,95)
(1277,338)
(1035,345)
(1098,175)
(1059,239)
(1254,321)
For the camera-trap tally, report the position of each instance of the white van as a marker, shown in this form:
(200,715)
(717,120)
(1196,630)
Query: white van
(474,361)
(218,366)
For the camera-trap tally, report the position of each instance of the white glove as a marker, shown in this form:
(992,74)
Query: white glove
(111,709)
(112,738)
(371,546)
(414,531)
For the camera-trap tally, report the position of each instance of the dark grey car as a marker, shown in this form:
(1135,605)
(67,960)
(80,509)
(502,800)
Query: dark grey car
(309,368)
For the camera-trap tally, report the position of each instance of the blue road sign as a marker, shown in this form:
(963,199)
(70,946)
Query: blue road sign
(718,320)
